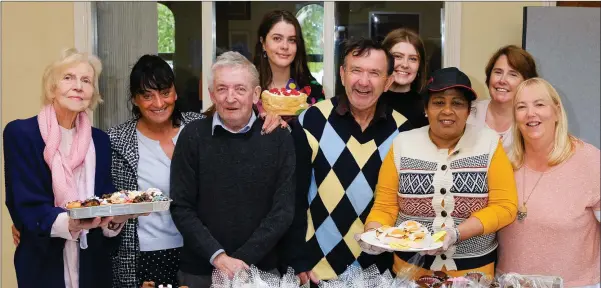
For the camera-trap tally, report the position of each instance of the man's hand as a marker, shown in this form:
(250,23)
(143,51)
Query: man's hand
(272,121)
(229,265)
(16,235)
(306,276)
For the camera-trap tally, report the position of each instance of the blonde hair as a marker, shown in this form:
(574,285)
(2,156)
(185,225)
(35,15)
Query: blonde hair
(564,144)
(69,58)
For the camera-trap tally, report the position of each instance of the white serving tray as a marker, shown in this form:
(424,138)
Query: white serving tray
(369,237)
(118,209)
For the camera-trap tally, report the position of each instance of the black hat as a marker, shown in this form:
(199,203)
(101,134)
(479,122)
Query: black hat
(451,77)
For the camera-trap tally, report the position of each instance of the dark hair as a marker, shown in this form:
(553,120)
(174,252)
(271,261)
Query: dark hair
(362,47)
(299,69)
(407,35)
(518,58)
(151,72)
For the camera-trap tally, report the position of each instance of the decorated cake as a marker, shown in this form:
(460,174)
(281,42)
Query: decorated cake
(284,101)
(121,197)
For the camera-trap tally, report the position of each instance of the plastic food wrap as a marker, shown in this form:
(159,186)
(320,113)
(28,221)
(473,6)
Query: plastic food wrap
(254,278)
(513,280)
(355,277)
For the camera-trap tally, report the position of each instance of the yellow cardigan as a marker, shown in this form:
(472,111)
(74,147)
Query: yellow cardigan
(500,212)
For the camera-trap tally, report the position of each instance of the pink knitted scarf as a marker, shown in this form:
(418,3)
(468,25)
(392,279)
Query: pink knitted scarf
(61,166)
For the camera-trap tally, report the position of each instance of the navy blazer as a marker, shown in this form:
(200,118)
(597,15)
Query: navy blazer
(30,201)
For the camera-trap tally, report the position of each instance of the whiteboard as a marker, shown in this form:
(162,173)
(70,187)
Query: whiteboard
(565,43)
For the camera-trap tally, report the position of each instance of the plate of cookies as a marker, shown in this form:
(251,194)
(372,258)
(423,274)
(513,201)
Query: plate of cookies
(409,236)
(119,203)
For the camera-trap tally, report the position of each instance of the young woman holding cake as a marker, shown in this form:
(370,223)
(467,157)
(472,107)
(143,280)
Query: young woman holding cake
(281,58)
(409,55)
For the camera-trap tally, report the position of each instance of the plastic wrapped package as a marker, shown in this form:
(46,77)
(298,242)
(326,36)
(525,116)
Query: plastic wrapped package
(514,280)
(255,278)
(440,279)
(355,277)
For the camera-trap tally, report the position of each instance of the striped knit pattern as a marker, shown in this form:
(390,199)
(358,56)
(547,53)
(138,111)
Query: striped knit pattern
(345,166)
(441,190)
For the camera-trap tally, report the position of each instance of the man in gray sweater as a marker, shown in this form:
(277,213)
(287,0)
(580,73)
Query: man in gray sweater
(232,186)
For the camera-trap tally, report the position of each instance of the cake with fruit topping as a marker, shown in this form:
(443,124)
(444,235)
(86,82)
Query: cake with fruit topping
(284,101)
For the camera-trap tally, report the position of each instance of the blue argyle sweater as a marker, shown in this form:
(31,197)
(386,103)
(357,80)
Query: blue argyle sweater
(337,169)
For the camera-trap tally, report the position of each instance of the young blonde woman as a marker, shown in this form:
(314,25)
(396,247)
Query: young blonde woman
(557,176)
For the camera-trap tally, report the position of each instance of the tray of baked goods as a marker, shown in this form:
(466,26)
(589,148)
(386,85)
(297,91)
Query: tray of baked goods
(119,203)
(409,236)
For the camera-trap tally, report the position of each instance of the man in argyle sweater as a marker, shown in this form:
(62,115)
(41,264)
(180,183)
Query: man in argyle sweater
(340,144)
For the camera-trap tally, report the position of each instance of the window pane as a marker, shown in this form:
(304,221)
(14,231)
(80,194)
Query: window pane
(310,18)
(187,56)
(166,25)
(375,19)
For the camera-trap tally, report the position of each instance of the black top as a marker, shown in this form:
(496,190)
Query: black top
(233,192)
(410,104)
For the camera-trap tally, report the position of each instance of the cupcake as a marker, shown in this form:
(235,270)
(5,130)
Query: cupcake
(91,202)
(74,204)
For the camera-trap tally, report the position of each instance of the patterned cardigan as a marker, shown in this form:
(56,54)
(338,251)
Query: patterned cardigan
(124,171)
(420,182)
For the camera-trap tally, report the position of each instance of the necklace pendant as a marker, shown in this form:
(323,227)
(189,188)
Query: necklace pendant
(522,212)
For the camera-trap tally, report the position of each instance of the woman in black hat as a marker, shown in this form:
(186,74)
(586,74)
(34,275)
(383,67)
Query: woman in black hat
(450,177)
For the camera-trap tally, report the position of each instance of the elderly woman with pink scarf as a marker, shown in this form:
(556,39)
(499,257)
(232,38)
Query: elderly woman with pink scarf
(54,158)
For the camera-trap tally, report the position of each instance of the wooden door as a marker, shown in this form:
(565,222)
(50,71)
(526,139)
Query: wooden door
(578,4)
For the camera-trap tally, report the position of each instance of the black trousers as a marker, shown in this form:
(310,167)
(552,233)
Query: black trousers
(159,266)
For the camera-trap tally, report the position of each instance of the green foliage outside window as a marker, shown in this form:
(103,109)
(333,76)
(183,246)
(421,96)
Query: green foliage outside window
(311,20)
(166,23)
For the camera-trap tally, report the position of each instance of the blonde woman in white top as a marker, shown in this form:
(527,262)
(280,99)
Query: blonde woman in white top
(506,69)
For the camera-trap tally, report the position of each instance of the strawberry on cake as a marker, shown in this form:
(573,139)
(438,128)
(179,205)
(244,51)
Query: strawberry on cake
(284,101)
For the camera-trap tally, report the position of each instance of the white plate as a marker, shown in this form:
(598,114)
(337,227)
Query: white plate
(118,209)
(370,238)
